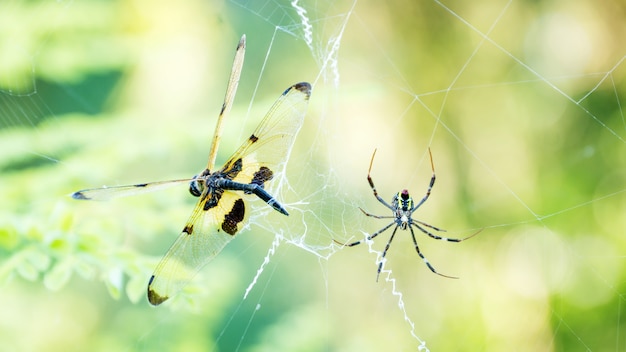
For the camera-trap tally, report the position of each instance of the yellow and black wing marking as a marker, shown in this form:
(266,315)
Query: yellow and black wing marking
(220,212)
(270,144)
(204,236)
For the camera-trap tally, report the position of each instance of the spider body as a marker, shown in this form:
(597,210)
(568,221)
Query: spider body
(403,203)
(402,207)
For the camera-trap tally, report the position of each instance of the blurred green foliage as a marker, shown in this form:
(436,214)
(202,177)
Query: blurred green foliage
(119,92)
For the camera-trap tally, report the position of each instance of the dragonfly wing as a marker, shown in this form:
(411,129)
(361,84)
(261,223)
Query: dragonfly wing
(214,222)
(106,193)
(266,151)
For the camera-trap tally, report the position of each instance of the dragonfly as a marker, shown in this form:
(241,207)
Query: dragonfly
(221,210)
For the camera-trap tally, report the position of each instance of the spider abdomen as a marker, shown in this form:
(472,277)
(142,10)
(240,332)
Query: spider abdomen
(402,200)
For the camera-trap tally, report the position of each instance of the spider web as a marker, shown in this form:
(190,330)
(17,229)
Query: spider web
(520,103)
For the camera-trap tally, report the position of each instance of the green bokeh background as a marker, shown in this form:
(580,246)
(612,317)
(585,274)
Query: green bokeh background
(526,126)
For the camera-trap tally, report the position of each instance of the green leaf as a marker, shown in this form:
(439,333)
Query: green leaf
(136,288)
(9,238)
(89,244)
(60,274)
(27,270)
(34,234)
(66,222)
(37,259)
(59,245)
(84,268)
(114,282)
(6,271)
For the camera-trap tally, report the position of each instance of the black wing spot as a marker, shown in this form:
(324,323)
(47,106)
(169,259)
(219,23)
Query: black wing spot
(213,200)
(303,87)
(154,298)
(188,229)
(233,169)
(234,217)
(263,175)
(237,165)
(80,195)
(253,138)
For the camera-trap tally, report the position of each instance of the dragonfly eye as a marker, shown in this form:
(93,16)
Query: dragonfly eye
(196,187)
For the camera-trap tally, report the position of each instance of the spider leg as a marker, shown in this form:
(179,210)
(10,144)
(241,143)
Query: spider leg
(430,186)
(377,216)
(382,260)
(370,237)
(417,223)
(429,225)
(417,248)
(371,182)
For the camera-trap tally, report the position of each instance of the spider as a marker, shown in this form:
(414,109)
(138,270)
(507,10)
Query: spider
(402,207)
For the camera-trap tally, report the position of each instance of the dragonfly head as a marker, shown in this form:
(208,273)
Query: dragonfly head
(197,184)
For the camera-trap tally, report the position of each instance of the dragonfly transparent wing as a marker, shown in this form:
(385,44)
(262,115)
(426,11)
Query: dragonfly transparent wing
(106,193)
(267,149)
(203,237)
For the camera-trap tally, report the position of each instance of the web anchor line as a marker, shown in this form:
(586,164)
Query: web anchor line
(394,292)
(270,253)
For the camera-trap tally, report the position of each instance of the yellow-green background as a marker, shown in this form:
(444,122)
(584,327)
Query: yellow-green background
(521,102)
